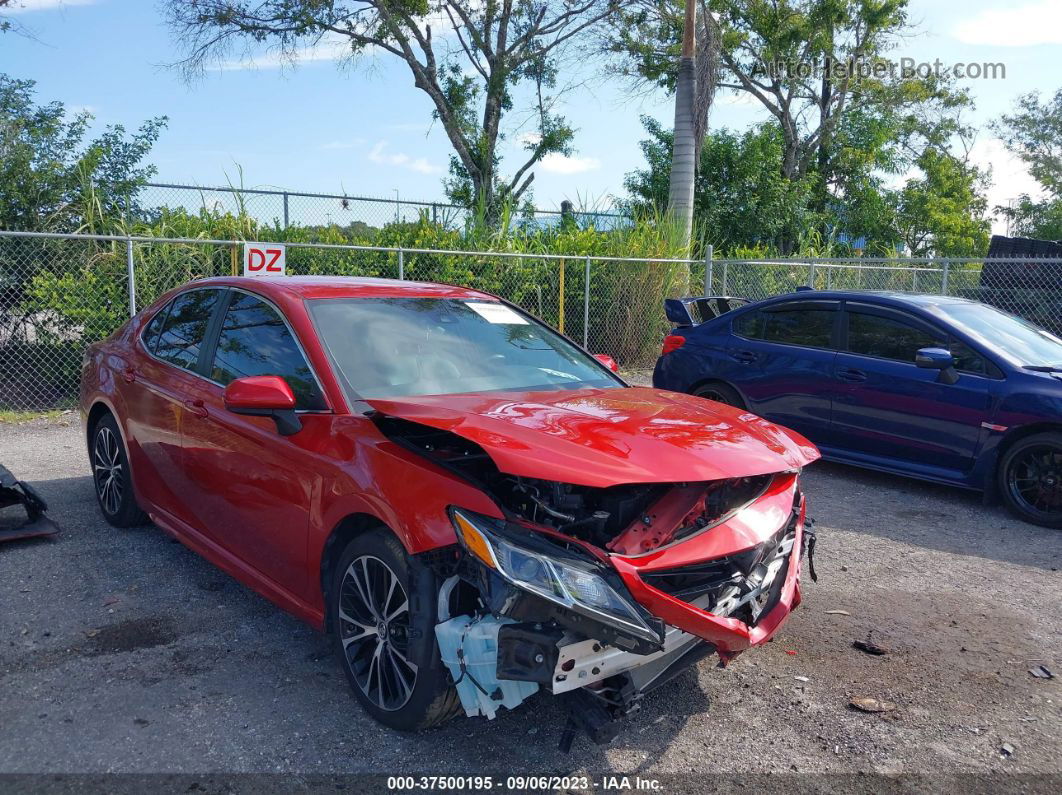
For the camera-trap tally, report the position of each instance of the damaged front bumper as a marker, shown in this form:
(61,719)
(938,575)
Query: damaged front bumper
(722,591)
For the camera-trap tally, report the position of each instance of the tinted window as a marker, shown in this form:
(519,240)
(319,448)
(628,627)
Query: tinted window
(153,329)
(182,333)
(887,338)
(389,347)
(967,360)
(255,341)
(808,326)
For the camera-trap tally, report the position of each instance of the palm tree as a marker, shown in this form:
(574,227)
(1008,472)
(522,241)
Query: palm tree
(684,150)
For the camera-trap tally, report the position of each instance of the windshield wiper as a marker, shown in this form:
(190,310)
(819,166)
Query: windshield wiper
(1043,368)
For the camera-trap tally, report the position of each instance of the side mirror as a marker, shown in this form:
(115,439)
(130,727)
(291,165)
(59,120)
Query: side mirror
(264,396)
(608,361)
(938,359)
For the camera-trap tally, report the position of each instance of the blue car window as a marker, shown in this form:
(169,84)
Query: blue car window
(967,360)
(888,338)
(811,327)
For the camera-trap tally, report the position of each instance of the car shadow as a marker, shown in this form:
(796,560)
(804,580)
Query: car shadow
(925,514)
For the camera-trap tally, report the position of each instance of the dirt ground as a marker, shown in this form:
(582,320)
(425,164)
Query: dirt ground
(122,651)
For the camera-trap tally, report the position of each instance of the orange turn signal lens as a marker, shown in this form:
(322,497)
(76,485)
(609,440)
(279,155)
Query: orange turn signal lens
(474,540)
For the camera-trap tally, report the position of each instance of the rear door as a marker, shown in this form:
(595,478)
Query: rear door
(784,357)
(253,488)
(888,407)
(157,384)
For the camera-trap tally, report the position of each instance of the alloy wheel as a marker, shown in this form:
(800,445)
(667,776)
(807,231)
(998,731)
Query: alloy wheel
(374,630)
(107,470)
(1035,480)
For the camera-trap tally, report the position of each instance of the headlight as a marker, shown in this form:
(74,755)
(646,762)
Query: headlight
(570,583)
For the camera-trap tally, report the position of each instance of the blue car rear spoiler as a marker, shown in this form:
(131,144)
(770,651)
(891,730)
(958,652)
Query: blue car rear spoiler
(692,310)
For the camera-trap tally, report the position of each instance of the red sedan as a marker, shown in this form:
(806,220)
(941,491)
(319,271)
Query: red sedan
(470,504)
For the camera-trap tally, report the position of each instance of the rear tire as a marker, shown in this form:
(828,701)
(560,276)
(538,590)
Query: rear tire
(720,393)
(1030,479)
(383,608)
(111,476)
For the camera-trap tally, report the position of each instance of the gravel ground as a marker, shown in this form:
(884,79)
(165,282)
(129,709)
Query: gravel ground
(122,651)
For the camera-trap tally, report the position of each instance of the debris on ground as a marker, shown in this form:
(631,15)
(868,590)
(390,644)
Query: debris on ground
(801,678)
(838,613)
(869,647)
(15,493)
(1041,672)
(791,652)
(872,705)
(1006,750)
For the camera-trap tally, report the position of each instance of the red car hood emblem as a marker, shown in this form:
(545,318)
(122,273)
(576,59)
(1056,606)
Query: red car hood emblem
(608,437)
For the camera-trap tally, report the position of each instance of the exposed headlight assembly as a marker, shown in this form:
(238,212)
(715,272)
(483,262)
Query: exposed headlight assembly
(568,582)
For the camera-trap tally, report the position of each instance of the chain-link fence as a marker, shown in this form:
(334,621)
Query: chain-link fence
(286,209)
(59,293)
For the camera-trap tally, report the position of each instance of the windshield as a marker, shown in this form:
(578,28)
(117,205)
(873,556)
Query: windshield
(1029,344)
(399,347)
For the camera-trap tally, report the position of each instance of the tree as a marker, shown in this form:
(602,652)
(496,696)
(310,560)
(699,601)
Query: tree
(52,177)
(1034,133)
(684,147)
(741,199)
(491,52)
(942,213)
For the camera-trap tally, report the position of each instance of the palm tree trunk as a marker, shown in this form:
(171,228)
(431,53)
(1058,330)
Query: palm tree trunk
(683,153)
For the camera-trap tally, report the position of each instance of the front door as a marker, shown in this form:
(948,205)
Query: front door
(887,407)
(254,488)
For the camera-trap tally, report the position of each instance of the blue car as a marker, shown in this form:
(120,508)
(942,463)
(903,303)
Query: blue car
(932,387)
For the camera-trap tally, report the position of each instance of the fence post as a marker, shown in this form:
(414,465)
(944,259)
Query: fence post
(944,279)
(130,275)
(708,265)
(811,275)
(560,298)
(586,303)
(401,263)
(285,209)
(726,274)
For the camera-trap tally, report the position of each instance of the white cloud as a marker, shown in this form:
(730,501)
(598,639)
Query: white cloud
(562,164)
(25,6)
(350,143)
(1010,177)
(329,48)
(1013,26)
(400,160)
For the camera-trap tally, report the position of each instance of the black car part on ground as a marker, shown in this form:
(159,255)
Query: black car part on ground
(14,526)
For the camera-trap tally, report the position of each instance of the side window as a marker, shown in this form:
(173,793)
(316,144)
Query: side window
(749,325)
(185,326)
(887,338)
(967,360)
(255,341)
(151,333)
(810,327)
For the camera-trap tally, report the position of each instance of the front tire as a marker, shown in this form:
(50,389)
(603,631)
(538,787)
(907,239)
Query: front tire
(382,607)
(112,477)
(1030,479)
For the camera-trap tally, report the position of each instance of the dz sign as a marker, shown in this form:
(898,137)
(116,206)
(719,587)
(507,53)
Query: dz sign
(264,259)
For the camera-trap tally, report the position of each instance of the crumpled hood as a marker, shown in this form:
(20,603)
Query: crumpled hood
(609,437)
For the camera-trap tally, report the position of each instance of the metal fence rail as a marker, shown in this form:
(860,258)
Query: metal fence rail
(285,208)
(59,293)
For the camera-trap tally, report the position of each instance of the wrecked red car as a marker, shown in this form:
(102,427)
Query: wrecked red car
(474,507)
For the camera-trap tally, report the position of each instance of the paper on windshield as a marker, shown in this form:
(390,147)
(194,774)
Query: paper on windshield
(496,313)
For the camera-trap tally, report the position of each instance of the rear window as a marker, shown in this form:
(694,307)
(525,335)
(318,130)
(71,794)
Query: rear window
(182,333)
(810,327)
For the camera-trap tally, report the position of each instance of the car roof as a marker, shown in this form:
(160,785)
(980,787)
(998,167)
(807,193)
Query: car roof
(886,296)
(314,287)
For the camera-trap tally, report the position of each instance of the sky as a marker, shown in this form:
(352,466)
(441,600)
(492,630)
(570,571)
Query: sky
(363,129)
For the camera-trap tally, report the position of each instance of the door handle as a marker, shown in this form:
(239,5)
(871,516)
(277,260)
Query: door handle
(745,357)
(852,375)
(129,374)
(196,407)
